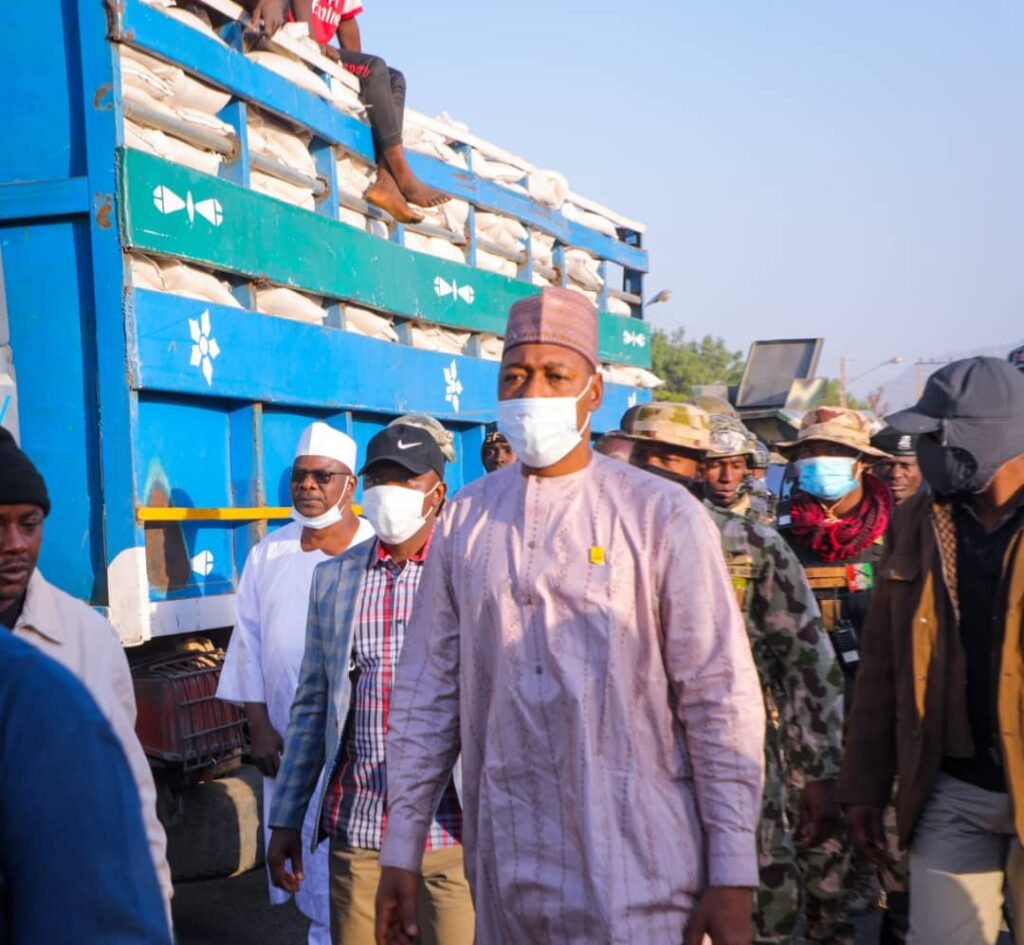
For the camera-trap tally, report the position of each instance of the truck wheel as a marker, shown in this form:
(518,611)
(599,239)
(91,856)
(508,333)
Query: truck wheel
(213,828)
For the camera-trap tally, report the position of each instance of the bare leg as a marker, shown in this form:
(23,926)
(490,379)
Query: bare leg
(412,188)
(386,195)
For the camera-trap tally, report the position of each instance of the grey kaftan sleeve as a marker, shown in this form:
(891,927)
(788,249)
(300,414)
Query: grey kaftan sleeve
(717,694)
(423,730)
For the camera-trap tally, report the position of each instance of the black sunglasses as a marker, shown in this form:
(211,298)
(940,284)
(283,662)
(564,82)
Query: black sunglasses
(320,476)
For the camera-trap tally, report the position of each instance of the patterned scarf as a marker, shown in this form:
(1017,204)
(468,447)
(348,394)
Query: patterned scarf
(844,538)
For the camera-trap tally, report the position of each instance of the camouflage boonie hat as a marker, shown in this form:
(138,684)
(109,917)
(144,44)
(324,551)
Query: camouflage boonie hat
(834,425)
(729,437)
(683,426)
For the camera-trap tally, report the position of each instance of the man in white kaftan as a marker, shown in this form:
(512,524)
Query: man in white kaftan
(265,653)
(577,638)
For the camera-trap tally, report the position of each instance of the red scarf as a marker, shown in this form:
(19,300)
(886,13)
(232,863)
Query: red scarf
(844,538)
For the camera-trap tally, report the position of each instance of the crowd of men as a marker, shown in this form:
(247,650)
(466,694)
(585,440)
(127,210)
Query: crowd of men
(605,693)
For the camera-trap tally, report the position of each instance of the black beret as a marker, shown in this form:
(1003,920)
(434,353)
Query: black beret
(20,482)
(894,443)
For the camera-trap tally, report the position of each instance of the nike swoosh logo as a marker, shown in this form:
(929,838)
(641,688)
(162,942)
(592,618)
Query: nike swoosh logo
(407,446)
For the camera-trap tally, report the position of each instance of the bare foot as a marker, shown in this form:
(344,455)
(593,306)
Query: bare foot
(418,193)
(386,195)
(412,188)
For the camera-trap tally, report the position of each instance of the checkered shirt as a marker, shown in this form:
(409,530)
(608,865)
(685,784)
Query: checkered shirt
(355,807)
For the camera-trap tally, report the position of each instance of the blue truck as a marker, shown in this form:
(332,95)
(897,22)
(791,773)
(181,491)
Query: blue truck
(150,227)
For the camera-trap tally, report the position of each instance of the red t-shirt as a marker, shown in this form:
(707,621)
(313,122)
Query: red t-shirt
(328,14)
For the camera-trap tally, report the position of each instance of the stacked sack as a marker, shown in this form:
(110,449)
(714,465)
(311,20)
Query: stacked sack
(501,242)
(284,147)
(355,177)
(452,218)
(178,278)
(154,89)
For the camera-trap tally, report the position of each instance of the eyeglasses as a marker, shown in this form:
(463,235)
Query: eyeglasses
(320,476)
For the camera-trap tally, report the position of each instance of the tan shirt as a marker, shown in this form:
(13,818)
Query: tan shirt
(85,644)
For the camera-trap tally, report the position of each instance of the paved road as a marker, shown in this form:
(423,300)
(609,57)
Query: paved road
(236,912)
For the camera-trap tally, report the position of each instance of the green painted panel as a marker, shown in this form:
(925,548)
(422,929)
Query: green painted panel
(170,209)
(624,340)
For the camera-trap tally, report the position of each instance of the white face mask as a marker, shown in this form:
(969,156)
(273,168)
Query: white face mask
(395,512)
(542,430)
(325,519)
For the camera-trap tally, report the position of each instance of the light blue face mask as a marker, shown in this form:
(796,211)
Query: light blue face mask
(827,477)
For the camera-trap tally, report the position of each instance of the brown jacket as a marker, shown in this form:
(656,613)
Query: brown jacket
(910,702)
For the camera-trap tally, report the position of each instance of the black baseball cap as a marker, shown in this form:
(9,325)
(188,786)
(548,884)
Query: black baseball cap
(971,390)
(407,446)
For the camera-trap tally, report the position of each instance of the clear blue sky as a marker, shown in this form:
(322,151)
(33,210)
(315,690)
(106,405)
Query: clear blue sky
(848,170)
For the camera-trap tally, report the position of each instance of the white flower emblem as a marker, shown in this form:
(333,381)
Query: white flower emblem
(204,347)
(634,338)
(452,385)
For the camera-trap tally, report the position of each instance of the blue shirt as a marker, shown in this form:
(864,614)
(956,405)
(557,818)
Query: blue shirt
(75,865)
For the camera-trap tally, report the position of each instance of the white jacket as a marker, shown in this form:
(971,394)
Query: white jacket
(86,645)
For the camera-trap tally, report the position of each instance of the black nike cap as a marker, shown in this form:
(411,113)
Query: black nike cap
(410,447)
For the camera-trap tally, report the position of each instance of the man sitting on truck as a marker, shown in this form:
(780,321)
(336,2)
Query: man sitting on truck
(68,630)
(382,90)
(261,668)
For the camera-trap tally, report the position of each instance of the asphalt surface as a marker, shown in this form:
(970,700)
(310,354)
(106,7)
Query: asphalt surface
(236,911)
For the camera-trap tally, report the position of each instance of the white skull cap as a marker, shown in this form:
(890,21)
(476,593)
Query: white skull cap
(318,439)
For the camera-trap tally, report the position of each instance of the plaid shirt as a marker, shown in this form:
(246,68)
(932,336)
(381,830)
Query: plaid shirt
(355,805)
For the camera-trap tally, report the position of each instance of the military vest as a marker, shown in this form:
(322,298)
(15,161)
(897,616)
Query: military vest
(842,588)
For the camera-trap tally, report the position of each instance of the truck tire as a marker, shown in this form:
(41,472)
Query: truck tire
(213,828)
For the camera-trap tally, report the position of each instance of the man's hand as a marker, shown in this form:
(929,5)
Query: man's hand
(285,847)
(396,907)
(268,16)
(819,813)
(868,834)
(723,914)
(266,744)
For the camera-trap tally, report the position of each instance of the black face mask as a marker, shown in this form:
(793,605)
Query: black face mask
(950,470)
(696,487)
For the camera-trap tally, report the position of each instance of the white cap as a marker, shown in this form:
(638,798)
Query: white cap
(318,439)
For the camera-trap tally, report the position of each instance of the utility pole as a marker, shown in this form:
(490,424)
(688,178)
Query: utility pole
(919,375)
(842,380)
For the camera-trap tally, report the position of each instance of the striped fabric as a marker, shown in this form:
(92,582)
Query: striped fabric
(354,811)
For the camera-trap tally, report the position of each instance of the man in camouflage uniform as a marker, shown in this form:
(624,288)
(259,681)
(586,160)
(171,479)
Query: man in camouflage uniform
(796,664)
(835,521)
(728,471)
